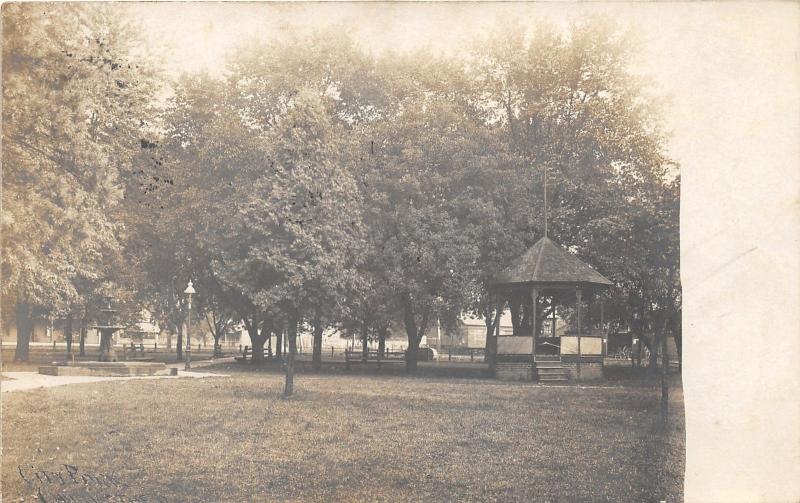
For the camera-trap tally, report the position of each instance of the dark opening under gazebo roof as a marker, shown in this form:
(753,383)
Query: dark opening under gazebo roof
(548,264)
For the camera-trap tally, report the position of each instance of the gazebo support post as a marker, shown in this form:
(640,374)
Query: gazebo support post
(589,318)
(602,315)
(534,299)
(578,294)
(553,302)
(603,334)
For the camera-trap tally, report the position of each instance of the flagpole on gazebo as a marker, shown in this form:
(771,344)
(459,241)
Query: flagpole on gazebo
(545,200)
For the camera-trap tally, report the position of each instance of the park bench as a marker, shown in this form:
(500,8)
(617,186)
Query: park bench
(359,356)
(248,351)
(461,352)
(134,350)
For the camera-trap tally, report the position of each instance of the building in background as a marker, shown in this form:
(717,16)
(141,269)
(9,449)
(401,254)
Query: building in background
(469,333)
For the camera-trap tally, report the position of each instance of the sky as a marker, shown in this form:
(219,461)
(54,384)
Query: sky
(678,41)
(730,72)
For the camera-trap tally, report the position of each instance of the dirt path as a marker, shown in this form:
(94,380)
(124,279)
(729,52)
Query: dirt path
(21,381)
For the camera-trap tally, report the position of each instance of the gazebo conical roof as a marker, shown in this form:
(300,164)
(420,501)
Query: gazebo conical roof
(548,264)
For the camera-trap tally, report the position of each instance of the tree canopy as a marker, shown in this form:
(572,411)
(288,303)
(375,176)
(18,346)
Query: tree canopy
(74,96)
(314,182)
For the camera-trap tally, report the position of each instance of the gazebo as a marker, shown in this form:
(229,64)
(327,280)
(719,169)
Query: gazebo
(547,272)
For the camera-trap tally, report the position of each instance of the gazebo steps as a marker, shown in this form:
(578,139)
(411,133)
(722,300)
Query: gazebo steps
(550,369)
(544,371)
(552,374)
(548,365)
(554,378)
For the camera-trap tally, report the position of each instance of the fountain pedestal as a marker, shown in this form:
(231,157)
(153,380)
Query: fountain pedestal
(107,352)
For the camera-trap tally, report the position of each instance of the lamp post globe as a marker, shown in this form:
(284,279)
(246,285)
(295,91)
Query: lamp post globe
(189,292)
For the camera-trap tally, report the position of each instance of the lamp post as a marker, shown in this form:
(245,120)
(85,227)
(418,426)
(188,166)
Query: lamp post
(438,338)
(189,291)
(439,302)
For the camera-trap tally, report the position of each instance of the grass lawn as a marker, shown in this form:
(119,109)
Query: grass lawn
(342,437)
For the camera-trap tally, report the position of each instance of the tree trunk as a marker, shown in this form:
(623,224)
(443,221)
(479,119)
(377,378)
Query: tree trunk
(382,341)
(217,346)
(317,351)
(179,345)
(291,334)
(490,347)
(514,307)
(664,381)
(492,351)
(412,332)
(527,319)
(24,328)
(257,339)
(364,340)
(638,358)
(521,318)
(82,342)
(412,353)
(542,314)
(68,335)
(653,354)
(279,343)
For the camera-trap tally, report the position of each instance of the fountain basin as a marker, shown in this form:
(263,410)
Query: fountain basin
(107,369)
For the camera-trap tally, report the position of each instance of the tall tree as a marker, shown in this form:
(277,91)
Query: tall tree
(563,102)
(423,251)
(188,169)
(302,217)
(73,93)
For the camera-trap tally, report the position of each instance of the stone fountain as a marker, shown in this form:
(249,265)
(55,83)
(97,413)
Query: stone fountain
(107,365)
(107,353)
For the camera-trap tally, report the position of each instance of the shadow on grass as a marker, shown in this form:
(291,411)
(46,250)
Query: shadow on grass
(612,375)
